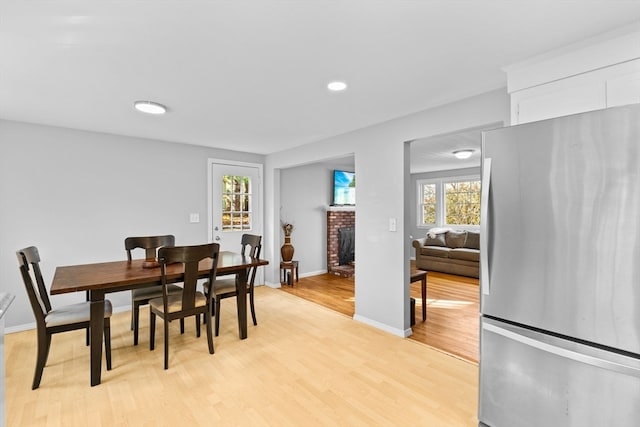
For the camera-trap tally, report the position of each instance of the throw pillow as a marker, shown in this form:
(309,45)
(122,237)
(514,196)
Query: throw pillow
(473,240)
(435,239)
(455,239)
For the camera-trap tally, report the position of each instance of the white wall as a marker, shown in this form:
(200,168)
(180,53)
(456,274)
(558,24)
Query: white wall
(76,195)
(382,170)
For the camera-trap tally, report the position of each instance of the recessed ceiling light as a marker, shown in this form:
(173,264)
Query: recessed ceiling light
(150,107)
(337,86)
(463,154)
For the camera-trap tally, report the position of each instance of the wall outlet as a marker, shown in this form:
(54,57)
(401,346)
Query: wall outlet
(392,224)
(194,218)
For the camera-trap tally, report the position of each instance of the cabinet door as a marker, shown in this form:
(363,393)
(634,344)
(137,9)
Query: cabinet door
(624,90)
(611,86)
(555,100)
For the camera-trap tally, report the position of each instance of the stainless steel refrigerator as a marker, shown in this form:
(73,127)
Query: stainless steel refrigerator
(560,272)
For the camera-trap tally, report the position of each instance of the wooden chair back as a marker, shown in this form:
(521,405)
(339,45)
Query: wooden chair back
(255,246)
(29,261)
(190,257)
(149,243)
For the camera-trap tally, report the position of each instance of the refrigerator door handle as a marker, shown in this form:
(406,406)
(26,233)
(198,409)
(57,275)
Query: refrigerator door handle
(542,342)
(484,226)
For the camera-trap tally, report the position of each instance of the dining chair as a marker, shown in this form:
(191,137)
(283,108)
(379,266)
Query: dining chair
(226,288)
(141,296)
(190,302)
(52,321)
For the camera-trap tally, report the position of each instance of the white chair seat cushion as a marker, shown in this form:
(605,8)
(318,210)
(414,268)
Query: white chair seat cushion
(174,302)
(152,292)
(74,313)
(222,286)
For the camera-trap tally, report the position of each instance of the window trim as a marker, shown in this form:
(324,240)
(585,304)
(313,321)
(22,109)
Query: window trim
(419,205)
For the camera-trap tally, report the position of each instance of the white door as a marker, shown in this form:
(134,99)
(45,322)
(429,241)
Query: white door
(235,202)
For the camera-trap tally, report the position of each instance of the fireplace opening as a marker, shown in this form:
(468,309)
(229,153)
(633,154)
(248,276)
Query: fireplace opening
(346,245)
(341,250)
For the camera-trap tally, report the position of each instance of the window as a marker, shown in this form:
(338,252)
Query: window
(236,203)
(449,201)
(462,202)
(428,203)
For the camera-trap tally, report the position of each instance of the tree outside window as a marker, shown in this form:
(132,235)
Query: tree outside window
(428,205)
(236,203)
(462,202)
(449,201)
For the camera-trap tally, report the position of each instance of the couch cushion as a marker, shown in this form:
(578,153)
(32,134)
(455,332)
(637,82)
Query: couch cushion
(455,239)
(473,240)
(465,254)
(438,240)
(437,251)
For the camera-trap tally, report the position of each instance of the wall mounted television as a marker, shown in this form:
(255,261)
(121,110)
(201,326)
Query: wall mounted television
(344,188)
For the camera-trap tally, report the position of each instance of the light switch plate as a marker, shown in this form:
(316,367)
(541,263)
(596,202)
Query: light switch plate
(194,218)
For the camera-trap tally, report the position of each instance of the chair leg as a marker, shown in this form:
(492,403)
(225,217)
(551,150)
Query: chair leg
(136,321)
(198,325)
(44,343)
(253,309)
(182,326)
(107,342)
(209,332)
(213,313)
(166,344)
(217,316)
(152,329)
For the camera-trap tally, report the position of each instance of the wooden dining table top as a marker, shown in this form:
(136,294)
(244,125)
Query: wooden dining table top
(110,276)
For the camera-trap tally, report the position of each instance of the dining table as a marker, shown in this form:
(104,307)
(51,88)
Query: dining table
(98,279)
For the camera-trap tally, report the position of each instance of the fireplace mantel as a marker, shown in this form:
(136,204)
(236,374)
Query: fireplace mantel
(341,208)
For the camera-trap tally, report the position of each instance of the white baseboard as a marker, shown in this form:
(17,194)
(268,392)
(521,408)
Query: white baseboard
(19,328)
(403,333)
(272,285)
(313,273)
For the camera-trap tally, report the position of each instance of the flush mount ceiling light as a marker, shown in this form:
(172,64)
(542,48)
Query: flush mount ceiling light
(463,154)
(337,86)
(150,107)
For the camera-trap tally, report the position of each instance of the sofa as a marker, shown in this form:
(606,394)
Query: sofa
(449,251)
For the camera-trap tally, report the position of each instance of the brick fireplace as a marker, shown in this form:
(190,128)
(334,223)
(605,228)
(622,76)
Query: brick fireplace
(338,218)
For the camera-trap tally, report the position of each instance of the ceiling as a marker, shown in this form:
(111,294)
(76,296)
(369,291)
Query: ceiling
(251,75)
(436,153)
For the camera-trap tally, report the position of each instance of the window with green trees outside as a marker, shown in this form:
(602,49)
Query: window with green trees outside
(236,203)
(462,202)
(449,201)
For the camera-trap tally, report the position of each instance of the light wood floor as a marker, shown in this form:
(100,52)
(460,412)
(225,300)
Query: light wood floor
(452,322)
(302,365)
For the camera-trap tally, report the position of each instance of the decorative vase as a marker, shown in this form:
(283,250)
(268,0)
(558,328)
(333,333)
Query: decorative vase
(287,250)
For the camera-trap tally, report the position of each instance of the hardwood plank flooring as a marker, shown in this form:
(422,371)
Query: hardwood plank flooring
(453,308)
(453,315)
(302,365)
